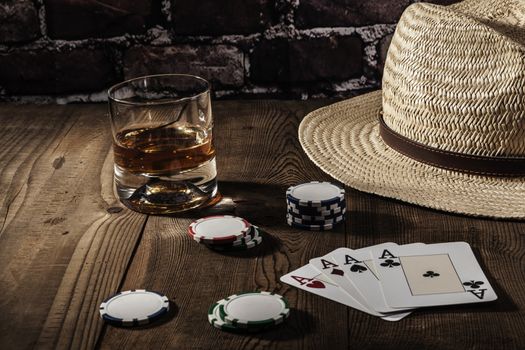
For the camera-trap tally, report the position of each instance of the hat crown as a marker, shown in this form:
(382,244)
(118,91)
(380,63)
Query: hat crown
(454,77)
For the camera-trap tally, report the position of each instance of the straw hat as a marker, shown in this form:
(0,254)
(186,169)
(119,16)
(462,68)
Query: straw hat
(447,131)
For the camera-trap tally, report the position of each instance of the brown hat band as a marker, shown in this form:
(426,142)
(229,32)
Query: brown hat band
(479,165)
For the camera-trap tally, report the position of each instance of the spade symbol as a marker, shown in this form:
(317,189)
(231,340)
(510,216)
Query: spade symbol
(358,268)
(338,272)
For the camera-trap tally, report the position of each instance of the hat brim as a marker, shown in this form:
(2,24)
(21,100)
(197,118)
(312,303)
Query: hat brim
(343,140)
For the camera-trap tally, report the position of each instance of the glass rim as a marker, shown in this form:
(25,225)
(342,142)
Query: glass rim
(113,88)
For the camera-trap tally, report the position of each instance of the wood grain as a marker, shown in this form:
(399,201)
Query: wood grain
(60,250)
(64,247)
(256,142)
(258,157)
(194,277)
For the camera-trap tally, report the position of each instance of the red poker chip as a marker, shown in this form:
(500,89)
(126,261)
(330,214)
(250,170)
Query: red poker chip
(219,229)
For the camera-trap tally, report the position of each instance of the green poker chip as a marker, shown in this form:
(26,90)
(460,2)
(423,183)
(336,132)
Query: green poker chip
(254,310)
(217,321)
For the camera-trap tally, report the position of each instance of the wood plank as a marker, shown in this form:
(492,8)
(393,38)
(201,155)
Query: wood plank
(256,142)
(59,246)
(62,251)
(258,157)
(194,277)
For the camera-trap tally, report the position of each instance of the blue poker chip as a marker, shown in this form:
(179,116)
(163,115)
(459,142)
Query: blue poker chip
(315,194)
(333,221)
(327,210)
(331,215)
(310,227)
(134,308)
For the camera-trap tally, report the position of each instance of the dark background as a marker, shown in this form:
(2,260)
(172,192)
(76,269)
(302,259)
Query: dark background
(73,50)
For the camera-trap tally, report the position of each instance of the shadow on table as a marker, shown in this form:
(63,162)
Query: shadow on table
(504,303)
(370,224)
(296,326)
(259,204)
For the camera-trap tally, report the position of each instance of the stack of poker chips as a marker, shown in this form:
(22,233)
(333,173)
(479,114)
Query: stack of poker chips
(225,233)
(315,206)
(247,312)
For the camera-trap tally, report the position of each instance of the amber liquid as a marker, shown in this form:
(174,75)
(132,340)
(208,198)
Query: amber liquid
(162,151)
(165,170)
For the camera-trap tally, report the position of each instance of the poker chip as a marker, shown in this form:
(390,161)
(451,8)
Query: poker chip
(315,194)
(254,309)
(311,211)
(315,206)
(248,312)
(134,308)
(219,228)
(317,218)
(253,232)
(215,319)
(333,221)
(225,233)
(326,227)
(245,246)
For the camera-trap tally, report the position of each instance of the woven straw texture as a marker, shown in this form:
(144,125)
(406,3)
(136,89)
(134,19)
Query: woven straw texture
(455,84)
(455,80)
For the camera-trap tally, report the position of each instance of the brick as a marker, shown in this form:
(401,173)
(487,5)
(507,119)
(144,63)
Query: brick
(45,72)
(220,64)
(80,19)
(269,62)
(384,44)
(309,60)
(19,21)
(217,17)
(342,13)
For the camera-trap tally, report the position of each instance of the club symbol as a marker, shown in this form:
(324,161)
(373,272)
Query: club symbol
(390,263)
(431,274)
(473,284)
(338,272)
(357,268)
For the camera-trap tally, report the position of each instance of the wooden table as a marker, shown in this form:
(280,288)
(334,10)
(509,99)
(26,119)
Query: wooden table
(66,243)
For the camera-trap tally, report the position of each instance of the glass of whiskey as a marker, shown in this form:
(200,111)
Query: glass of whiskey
(163,143)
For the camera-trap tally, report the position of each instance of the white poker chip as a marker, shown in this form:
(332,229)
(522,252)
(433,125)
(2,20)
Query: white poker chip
(254,309)
(315,194)
(252,234)
(219,228)
(309,227)
(134,307)
(334,210)
(314,210)
(335,220)
(331,215)
(256,241)
(217,321)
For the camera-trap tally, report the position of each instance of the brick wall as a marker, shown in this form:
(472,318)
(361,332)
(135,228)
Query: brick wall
(72,50)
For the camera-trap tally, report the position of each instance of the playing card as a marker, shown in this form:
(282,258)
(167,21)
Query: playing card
(309,279)
(436,274)
(333,271)
(360,272)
